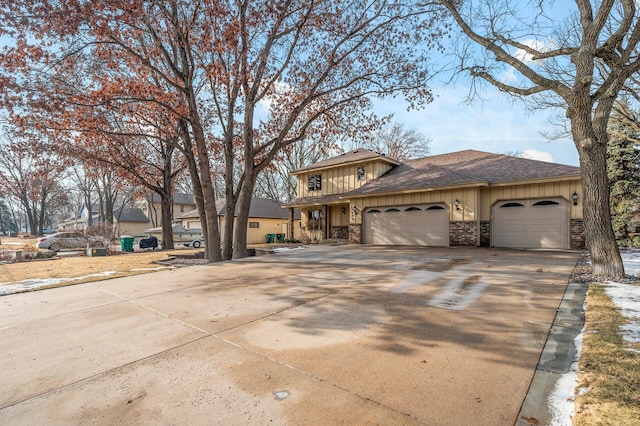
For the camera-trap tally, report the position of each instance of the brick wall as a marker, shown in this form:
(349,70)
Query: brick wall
(339,232)
(485,233)
(462,233)
(355,230)
(577,239)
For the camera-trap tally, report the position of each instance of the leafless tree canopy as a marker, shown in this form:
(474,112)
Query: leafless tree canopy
(573,55)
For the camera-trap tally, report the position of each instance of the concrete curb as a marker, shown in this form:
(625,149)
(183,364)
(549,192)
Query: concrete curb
(557,356)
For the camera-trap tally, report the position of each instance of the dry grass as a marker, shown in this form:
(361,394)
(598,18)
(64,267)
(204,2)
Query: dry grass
(78,266)
(610,367)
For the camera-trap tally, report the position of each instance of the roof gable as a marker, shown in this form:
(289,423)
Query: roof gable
(356,156)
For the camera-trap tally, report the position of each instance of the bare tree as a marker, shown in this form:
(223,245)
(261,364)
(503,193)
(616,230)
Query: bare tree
(579,63)
(397,142)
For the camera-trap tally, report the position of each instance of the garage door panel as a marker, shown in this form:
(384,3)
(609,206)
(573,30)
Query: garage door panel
(531,224)
(407,225)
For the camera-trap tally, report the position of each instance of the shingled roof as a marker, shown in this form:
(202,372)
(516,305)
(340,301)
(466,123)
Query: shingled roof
(463,168)
(356,156)
(265,208)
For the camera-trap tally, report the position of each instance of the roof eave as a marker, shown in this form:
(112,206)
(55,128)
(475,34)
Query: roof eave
(414,190)
(538,180)
(348,163)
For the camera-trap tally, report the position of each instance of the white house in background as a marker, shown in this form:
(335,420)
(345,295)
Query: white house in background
(266,217)
(126,221)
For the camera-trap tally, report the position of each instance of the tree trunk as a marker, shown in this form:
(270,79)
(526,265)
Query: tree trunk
(242,220)
(214,254)
(600,239)
(167,228)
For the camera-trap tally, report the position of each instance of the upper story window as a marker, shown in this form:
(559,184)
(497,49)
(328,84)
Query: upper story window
(361,173)
(315,182)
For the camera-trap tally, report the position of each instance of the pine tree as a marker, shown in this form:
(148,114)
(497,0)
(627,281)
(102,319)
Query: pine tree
(623,168)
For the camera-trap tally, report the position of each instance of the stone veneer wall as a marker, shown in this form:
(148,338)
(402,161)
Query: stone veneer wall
(463,233)
(576,234)
(339,232)
(485,233)
(355,230)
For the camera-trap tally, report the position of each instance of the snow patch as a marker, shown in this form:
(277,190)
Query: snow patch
(627,298)
(31,284)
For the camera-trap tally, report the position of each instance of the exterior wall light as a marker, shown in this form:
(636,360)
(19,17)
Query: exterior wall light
(575,197)
(344,210)
(354,210)
(457,204)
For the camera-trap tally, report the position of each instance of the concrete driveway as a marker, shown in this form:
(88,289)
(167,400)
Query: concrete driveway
(324,335)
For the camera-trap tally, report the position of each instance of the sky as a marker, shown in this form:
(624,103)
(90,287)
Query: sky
(495,124)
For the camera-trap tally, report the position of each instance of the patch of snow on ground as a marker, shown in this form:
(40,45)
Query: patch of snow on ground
(627,298)
(284,249)
(561,399)
(30,284)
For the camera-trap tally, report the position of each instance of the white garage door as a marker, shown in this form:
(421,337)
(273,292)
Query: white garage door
(419,225)
(540,223)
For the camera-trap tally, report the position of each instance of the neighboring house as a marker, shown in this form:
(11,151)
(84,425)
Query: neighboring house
(466,198)
(126,221)
(266,216)
(130,221)
(152,207)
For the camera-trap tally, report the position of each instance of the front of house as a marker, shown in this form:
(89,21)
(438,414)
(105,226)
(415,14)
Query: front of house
(466,198)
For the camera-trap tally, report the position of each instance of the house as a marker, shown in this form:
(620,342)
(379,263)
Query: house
(152,207)
(126,221)
(465,198)
(266,216)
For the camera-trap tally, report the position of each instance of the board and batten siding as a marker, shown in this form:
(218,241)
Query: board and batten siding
(564,189)
(338,180)
(468,198)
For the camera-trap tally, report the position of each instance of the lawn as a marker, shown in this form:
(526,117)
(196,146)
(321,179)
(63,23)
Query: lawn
(65,270)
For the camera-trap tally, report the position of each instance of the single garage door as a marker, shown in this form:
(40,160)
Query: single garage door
(539,223)
(419,225)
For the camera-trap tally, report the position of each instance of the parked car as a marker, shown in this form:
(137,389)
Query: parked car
(68,240)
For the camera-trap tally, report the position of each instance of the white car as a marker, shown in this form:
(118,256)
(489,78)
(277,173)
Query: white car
(67,240)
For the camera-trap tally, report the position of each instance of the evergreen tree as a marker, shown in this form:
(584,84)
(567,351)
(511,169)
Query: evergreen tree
(623,168)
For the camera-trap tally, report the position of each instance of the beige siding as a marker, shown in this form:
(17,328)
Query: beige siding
(266,226)
(468,198)
(135,229)
(562,189)
(339,180)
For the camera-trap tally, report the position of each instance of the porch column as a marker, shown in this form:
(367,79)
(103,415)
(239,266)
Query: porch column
(291,227)
(325,230)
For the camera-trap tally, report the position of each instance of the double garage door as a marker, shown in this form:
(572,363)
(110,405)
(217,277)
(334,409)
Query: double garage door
(419,225)
(539,223)
(525,223)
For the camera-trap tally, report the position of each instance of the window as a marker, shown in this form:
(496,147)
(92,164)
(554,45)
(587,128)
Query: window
(507,205)
(392,210)
(254,224)
(435,208)
(547,203)
(373,211)
(315,182)
(181,208)
(412,209)
(361,173)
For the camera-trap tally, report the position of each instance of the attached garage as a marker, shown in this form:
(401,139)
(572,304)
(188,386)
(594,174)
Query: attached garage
(418,225)
(531,223)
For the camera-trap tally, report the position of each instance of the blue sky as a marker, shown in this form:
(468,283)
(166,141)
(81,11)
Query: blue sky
(496,124)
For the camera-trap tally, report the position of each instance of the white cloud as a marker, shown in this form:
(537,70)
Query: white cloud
(534,154)
(538,45)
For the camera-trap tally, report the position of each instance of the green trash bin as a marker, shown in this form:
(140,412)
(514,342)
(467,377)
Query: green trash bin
(271,238)
(280,238)
(126,243)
